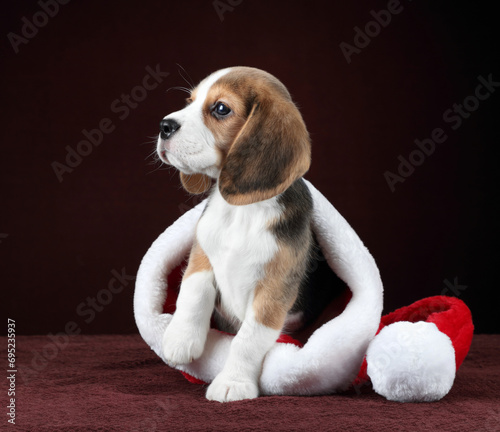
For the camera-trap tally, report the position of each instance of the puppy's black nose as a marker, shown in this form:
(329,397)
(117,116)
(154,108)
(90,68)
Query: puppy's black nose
(168,128)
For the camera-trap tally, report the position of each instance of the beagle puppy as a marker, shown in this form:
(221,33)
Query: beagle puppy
(241,132)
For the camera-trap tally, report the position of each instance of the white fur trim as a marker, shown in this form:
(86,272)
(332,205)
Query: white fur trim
(411,362)
(331,358)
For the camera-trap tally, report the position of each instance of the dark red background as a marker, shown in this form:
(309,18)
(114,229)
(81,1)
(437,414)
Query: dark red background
(61,241)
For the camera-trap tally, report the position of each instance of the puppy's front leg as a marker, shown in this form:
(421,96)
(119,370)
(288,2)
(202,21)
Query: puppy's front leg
(240,376)
(185,337)
(264,319)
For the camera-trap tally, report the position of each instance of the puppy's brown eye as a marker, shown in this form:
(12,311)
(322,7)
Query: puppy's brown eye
(220,109)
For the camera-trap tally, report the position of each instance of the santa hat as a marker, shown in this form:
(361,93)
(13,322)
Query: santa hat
(418,349)
(411,354)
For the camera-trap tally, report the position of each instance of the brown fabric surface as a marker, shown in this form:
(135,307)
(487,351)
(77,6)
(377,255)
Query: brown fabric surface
(116,383)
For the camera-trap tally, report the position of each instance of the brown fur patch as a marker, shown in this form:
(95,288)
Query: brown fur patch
(196,183)
(272,149)
(277,292)
(198,261)
(263,143)
(226,129)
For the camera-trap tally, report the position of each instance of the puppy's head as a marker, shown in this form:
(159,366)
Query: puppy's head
(241,127)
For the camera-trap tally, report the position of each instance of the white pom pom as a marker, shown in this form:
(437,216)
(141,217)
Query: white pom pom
(411,362)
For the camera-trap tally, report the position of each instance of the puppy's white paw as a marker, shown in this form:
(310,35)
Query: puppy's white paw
(227,389)
(182,344)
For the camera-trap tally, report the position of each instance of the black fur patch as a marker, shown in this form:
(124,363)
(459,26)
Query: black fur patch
(294,227)
(319,287)
(319,284)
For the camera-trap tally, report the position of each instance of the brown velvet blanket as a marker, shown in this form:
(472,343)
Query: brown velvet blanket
(116,383)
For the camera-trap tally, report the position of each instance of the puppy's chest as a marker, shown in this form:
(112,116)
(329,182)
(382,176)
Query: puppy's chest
(239,244)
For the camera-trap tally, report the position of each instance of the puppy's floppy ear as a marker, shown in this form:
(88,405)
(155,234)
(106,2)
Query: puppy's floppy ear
(196,183)
(271,151)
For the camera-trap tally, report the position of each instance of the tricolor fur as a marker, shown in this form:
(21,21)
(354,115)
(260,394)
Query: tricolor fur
(253,242)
